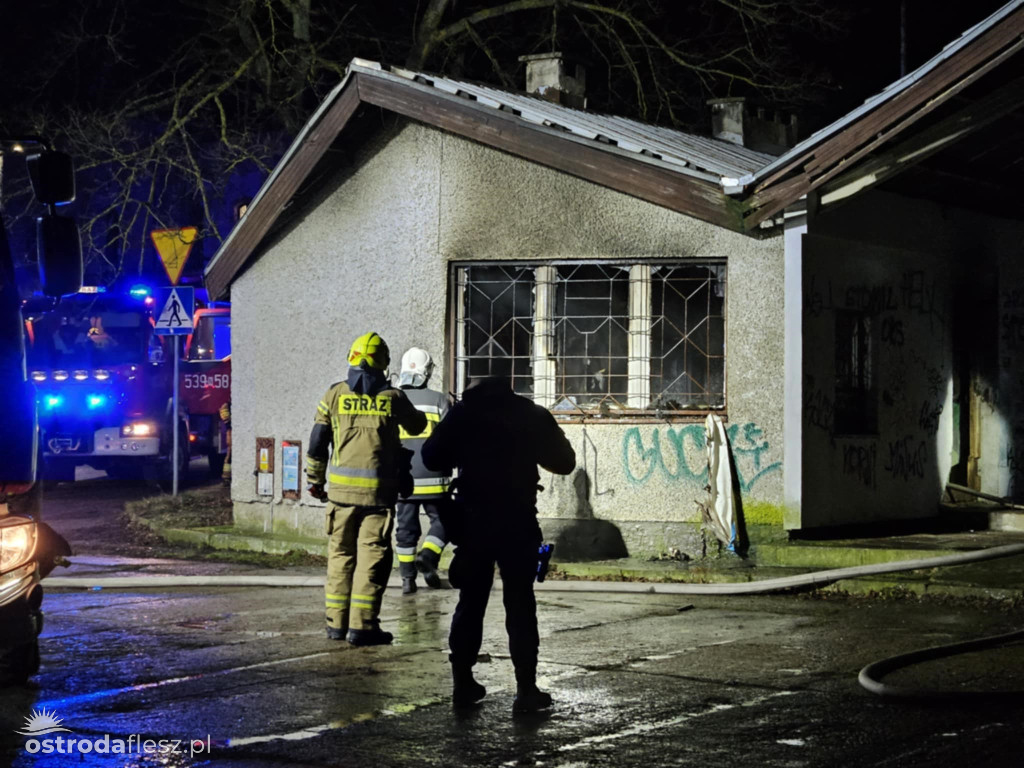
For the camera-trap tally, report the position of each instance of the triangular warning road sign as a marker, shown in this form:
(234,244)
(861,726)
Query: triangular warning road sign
(174,246)
(175,312)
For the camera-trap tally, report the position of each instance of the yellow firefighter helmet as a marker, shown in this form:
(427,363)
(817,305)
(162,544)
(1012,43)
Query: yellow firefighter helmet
(369,347)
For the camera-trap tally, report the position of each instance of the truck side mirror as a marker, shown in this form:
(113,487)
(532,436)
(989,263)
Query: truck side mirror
(59,251)
(53,177)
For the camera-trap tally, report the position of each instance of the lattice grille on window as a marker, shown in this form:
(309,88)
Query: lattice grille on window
(591,322)
(498,324)
(688,337)
(597,337)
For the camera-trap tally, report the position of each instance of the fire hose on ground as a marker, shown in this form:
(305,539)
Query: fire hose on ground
(869,677)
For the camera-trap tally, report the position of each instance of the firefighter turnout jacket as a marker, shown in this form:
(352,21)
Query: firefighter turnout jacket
(428,484)
(362,466)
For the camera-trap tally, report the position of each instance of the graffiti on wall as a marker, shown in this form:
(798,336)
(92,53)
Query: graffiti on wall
(679,454)
(859,462)
(1012,320)
(908,458)
(913,293)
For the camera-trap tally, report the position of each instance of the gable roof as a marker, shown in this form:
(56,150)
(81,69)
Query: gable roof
(690,174)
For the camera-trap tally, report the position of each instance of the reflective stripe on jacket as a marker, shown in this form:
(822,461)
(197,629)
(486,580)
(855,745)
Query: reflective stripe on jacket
(363,466)
(427,484)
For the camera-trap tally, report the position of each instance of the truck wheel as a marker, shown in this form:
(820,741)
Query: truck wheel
(19,663)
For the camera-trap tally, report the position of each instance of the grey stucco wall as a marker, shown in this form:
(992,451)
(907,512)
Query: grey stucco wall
(376,255)
(920,270)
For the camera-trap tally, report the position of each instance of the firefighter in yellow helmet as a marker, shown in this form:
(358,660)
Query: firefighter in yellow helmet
(355,450)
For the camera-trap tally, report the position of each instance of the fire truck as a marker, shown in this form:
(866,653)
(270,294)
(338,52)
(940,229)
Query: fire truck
(104,383)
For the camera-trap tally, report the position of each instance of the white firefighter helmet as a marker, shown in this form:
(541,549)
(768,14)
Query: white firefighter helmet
(416,367)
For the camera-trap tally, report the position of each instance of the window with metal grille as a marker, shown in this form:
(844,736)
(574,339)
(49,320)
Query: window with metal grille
(856,404)
(609,338)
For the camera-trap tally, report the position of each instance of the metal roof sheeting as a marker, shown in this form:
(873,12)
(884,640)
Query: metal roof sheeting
(712,159)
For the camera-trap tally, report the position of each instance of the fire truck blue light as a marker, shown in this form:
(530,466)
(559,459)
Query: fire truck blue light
(95,401)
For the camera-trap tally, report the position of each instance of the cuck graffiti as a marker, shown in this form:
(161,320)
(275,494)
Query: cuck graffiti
(669,452)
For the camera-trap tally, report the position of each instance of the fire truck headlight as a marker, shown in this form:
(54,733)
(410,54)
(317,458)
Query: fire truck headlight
(38,375)
(81,375)
(138,429)
(60,375)
(101,375)
(95,401)
(17,542)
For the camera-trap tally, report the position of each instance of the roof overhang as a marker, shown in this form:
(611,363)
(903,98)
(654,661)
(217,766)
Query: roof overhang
(911,120)
(648,178)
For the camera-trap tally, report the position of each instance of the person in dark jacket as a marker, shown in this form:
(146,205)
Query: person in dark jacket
(496,439)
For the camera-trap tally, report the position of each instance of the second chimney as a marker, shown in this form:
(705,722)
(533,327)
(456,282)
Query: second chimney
(547,75)
(732,121)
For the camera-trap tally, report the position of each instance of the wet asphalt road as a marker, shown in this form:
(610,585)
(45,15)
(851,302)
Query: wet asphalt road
(638,680)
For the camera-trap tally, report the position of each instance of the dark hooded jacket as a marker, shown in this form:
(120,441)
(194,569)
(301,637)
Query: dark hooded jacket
(497,439)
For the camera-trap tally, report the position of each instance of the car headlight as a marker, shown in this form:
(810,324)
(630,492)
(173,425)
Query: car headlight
(17,541)
(138,429)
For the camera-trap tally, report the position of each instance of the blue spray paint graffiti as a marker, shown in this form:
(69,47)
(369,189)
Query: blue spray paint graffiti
(639,461)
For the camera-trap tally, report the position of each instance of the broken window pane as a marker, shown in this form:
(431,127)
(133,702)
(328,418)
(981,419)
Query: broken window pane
(498,324)
(591,322)
(569,334)
(688,336)
(856,406)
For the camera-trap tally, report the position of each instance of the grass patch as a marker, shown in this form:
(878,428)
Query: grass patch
(199,508)
(290,558)
(209,507)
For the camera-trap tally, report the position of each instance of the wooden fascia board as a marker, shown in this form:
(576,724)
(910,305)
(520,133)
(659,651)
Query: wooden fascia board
(832,150)
(505,132)
(265,212)
(913,151)
(769,200)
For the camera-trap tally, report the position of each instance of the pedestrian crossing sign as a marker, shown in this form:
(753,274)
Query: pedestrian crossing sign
(175,306)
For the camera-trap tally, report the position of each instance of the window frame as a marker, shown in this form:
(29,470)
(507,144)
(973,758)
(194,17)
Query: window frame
(457,377)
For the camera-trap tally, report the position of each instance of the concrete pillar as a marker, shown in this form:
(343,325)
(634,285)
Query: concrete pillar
(793,363)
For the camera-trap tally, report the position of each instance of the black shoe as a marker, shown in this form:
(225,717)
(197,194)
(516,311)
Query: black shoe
(334,633)
(531,700)
(466,693)
(408,586)
(369,637)
(429,571)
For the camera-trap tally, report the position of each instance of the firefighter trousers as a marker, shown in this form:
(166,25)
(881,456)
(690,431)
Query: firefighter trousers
(408,530)
(358,564)
(515,554)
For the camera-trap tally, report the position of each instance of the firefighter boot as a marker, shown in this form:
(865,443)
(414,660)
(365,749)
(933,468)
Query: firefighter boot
(369,637)
(465,690)
(529,698)
(335,633)
(408,573)
(426,563)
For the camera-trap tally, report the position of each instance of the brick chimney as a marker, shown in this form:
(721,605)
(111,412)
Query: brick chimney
(734,121)
(547,75)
